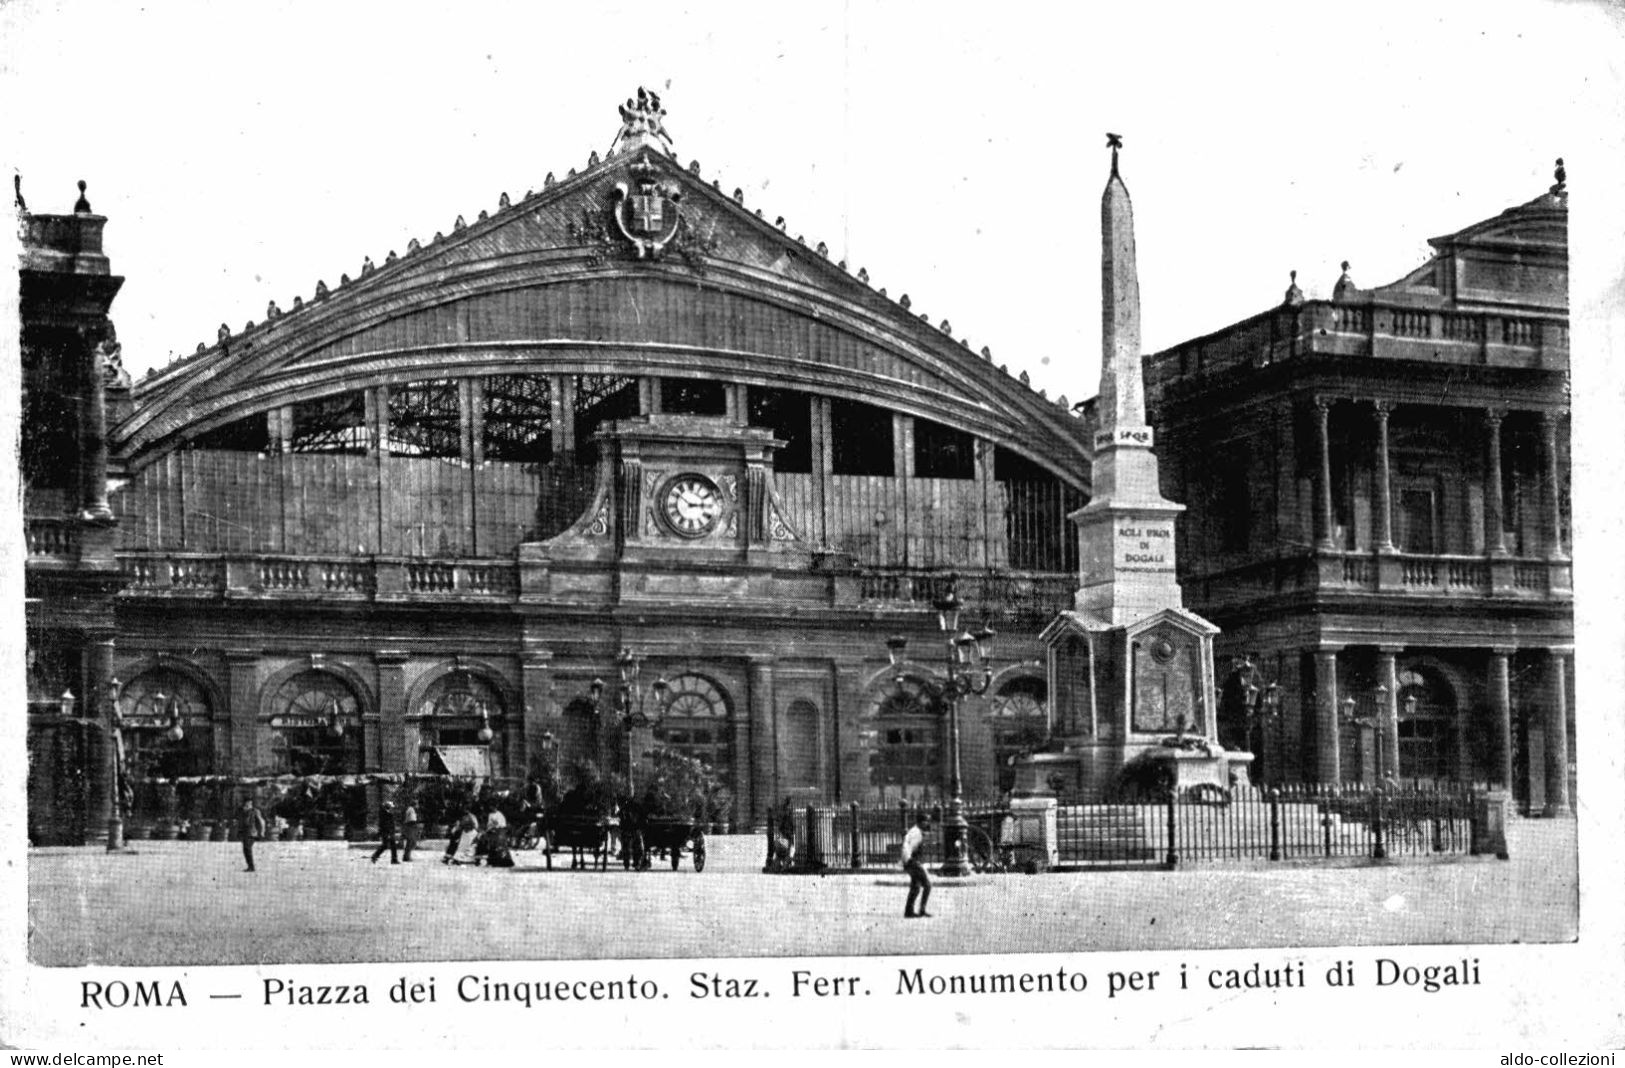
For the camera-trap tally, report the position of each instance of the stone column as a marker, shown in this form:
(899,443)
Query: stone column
(1495,541)
(98,706)
(1557,734)
(392,749)
(1501,706)
(1388,733)
(1328,759)
(1384,496)
(764,779)
(537,715)
(1554,502)
(561,403)
(1323,491)
(94,440)
(242,710)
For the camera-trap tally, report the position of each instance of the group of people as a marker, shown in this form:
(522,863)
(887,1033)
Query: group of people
(392,829)
(472,844)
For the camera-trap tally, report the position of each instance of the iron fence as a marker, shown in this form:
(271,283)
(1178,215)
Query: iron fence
(854,836)
(1201,824)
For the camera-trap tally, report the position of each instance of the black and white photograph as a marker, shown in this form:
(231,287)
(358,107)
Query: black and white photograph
(859,525)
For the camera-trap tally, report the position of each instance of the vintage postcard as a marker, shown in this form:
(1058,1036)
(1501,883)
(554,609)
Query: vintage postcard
(622,522)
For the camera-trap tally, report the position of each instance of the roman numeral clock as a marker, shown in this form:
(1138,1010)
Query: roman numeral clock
(690,504)
(690,497)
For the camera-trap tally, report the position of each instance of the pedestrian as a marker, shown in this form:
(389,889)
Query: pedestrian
(410,819)
(250,826)
(919,883)
(496,829)
(386,834)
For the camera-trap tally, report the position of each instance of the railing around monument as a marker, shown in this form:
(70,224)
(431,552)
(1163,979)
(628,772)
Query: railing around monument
(857,836)
(1204,824)
(1297,822)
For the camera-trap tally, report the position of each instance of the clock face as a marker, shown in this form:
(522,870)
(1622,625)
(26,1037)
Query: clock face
(691,505)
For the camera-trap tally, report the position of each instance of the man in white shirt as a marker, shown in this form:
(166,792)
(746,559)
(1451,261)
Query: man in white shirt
(919,883)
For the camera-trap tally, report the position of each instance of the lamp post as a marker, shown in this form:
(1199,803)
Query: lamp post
(966,656)
(1374,722)
(629,702)
(1262,703)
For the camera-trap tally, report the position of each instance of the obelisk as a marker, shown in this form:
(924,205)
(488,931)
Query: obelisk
(1126,531)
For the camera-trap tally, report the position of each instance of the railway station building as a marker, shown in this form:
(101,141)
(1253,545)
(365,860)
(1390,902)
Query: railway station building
(432,506)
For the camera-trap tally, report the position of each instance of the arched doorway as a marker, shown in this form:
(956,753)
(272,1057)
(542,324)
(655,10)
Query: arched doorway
(1018,720)
(908,756)
(457,709)
(1427,725)
(316,726)
(155,707)
(698,723)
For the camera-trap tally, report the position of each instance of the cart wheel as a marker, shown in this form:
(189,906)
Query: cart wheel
(699,853)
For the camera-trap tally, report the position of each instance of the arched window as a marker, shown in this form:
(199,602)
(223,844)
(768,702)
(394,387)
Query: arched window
(1018,718)
(1427,725)
(909,725)
(455,709)
(697,723)
(316,726)
(150,705)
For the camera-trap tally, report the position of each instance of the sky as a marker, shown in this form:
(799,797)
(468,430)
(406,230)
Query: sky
(243,152)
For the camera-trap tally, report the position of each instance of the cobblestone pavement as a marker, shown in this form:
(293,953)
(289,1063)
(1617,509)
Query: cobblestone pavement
(178,903)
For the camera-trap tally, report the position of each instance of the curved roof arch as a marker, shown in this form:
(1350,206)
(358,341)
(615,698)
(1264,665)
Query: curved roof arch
(551,284)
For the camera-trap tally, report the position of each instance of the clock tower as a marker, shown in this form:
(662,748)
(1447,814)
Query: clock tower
(685,505)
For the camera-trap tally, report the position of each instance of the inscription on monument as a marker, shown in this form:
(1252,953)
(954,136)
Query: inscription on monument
(1144,544)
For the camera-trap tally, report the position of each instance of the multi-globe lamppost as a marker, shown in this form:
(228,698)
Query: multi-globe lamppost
(967,657)
(1262,704)
(1375,722)
(629,702)
(107,696)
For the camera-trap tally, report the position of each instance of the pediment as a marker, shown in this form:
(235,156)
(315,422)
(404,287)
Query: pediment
(544,284)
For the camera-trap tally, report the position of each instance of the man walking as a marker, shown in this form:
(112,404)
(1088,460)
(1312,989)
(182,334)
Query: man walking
(250,827)
(410,819)
(386,833)
(919,883)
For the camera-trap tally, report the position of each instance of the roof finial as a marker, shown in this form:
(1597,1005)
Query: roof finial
(81,206)
(643,121)
(1345,286)
(1294,295)
(1114,142)
(17,184)
(1561,187)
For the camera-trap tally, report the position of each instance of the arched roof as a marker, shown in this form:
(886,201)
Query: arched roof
(550,284)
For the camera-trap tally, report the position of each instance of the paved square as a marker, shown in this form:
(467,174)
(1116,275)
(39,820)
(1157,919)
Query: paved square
(190,903)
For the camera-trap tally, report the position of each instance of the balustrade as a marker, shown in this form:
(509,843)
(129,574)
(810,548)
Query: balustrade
(196,574)
(1524,332)
(52,537)
(1411,324)
(283,575)
(430,577)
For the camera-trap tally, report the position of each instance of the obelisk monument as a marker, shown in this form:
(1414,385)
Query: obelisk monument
(1132,704)
(1126,532)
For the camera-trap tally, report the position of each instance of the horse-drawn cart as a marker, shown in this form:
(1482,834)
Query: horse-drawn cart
(664,836)
(586,837)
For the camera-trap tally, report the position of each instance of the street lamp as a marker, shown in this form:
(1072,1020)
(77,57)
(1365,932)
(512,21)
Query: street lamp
(1374,721)
(967,655)
(629,701)
(485,733)
(334,726)
(1260,703)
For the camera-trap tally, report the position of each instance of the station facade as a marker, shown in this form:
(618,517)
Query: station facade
(433,503)
(424,509)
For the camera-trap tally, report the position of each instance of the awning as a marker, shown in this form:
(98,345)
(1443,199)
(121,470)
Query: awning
(464,761)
